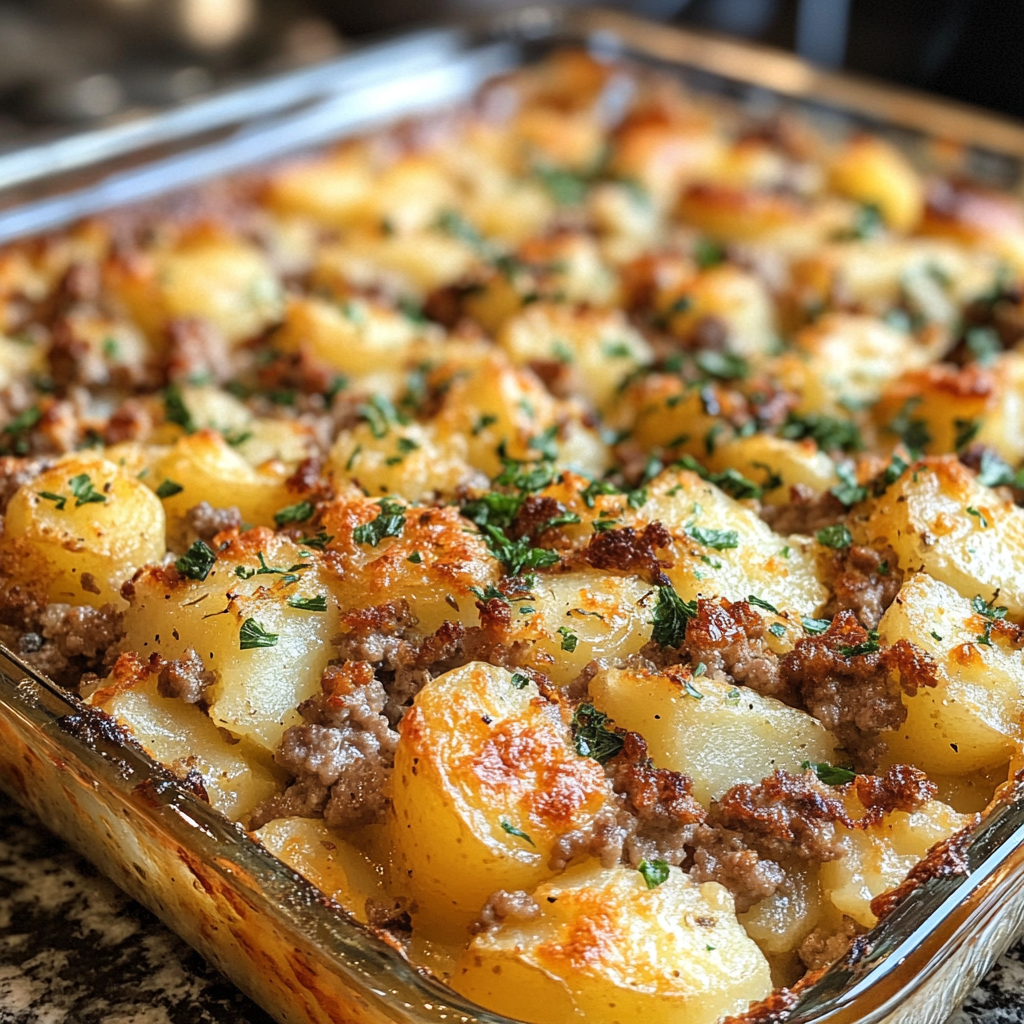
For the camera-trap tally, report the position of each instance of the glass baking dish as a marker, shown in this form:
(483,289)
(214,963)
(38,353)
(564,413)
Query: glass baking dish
(276,936)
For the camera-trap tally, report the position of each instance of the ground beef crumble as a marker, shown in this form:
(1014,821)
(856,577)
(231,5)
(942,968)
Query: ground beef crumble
(863,581)
(826,945)
(852,686)
(186,678)
(807,512)
(503,906)
(66,641)
(205,521)
(729,639)
(341,758)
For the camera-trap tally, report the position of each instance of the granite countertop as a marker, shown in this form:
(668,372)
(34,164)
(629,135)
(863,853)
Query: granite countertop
(75,950)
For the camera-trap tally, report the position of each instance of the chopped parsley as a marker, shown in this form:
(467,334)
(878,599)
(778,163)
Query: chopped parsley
(654,872)
(518,833)
(287,575)
(569,639)
(380,415)
(966,432)
(719,540)
(984,345)
(722,365)
(176,411)
(733,482)
(390,522)
(197,562)
(416,558)
(297,513)
(994,472)
(760,602)
(911,430)
(988,609)
(979,515)
(836,536)
(309,604)
(565,187)
(253,635)
(591,735)
(320,541)
(671,615)
(58,499)
(17,431)
(520,680)
(815,626)
(829,433)
(489,593)
(84,492)
(691,690)
(830,774)
(517,555)
(777,629)
(848,491)
(168,489)
(707,253)
(869,646)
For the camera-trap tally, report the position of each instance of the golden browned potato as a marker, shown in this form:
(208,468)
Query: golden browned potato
(608,947)
(486,781)
(79,530)
(874,172)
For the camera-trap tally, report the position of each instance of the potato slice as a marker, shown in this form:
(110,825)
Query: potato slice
(326,859)
(878,858)
(235,775)
(605,949)
(719,735)
(486,780)
(584,615)
(722,548)
(938,518)
(973,718)
(267,653)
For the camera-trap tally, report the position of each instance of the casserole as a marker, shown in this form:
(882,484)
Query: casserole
(989,867)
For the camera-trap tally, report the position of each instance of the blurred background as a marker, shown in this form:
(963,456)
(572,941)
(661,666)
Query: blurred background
(70,64)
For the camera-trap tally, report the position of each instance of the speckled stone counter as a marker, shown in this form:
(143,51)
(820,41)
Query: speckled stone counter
(75,950)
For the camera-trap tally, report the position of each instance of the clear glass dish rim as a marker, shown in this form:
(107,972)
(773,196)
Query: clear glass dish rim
(299,110)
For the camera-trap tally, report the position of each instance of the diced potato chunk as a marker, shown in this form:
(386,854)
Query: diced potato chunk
(605,949)
(871,170)
(973,718)
(221,279)
(938,518)
(781,922)
(352,336)
(180,735)
(955,407)
(486,780)
(79,530)
(776,464)
(208,469)
(268,655)
(406,459)
(844,358)
(600,347)
(326,859)
(719,735)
